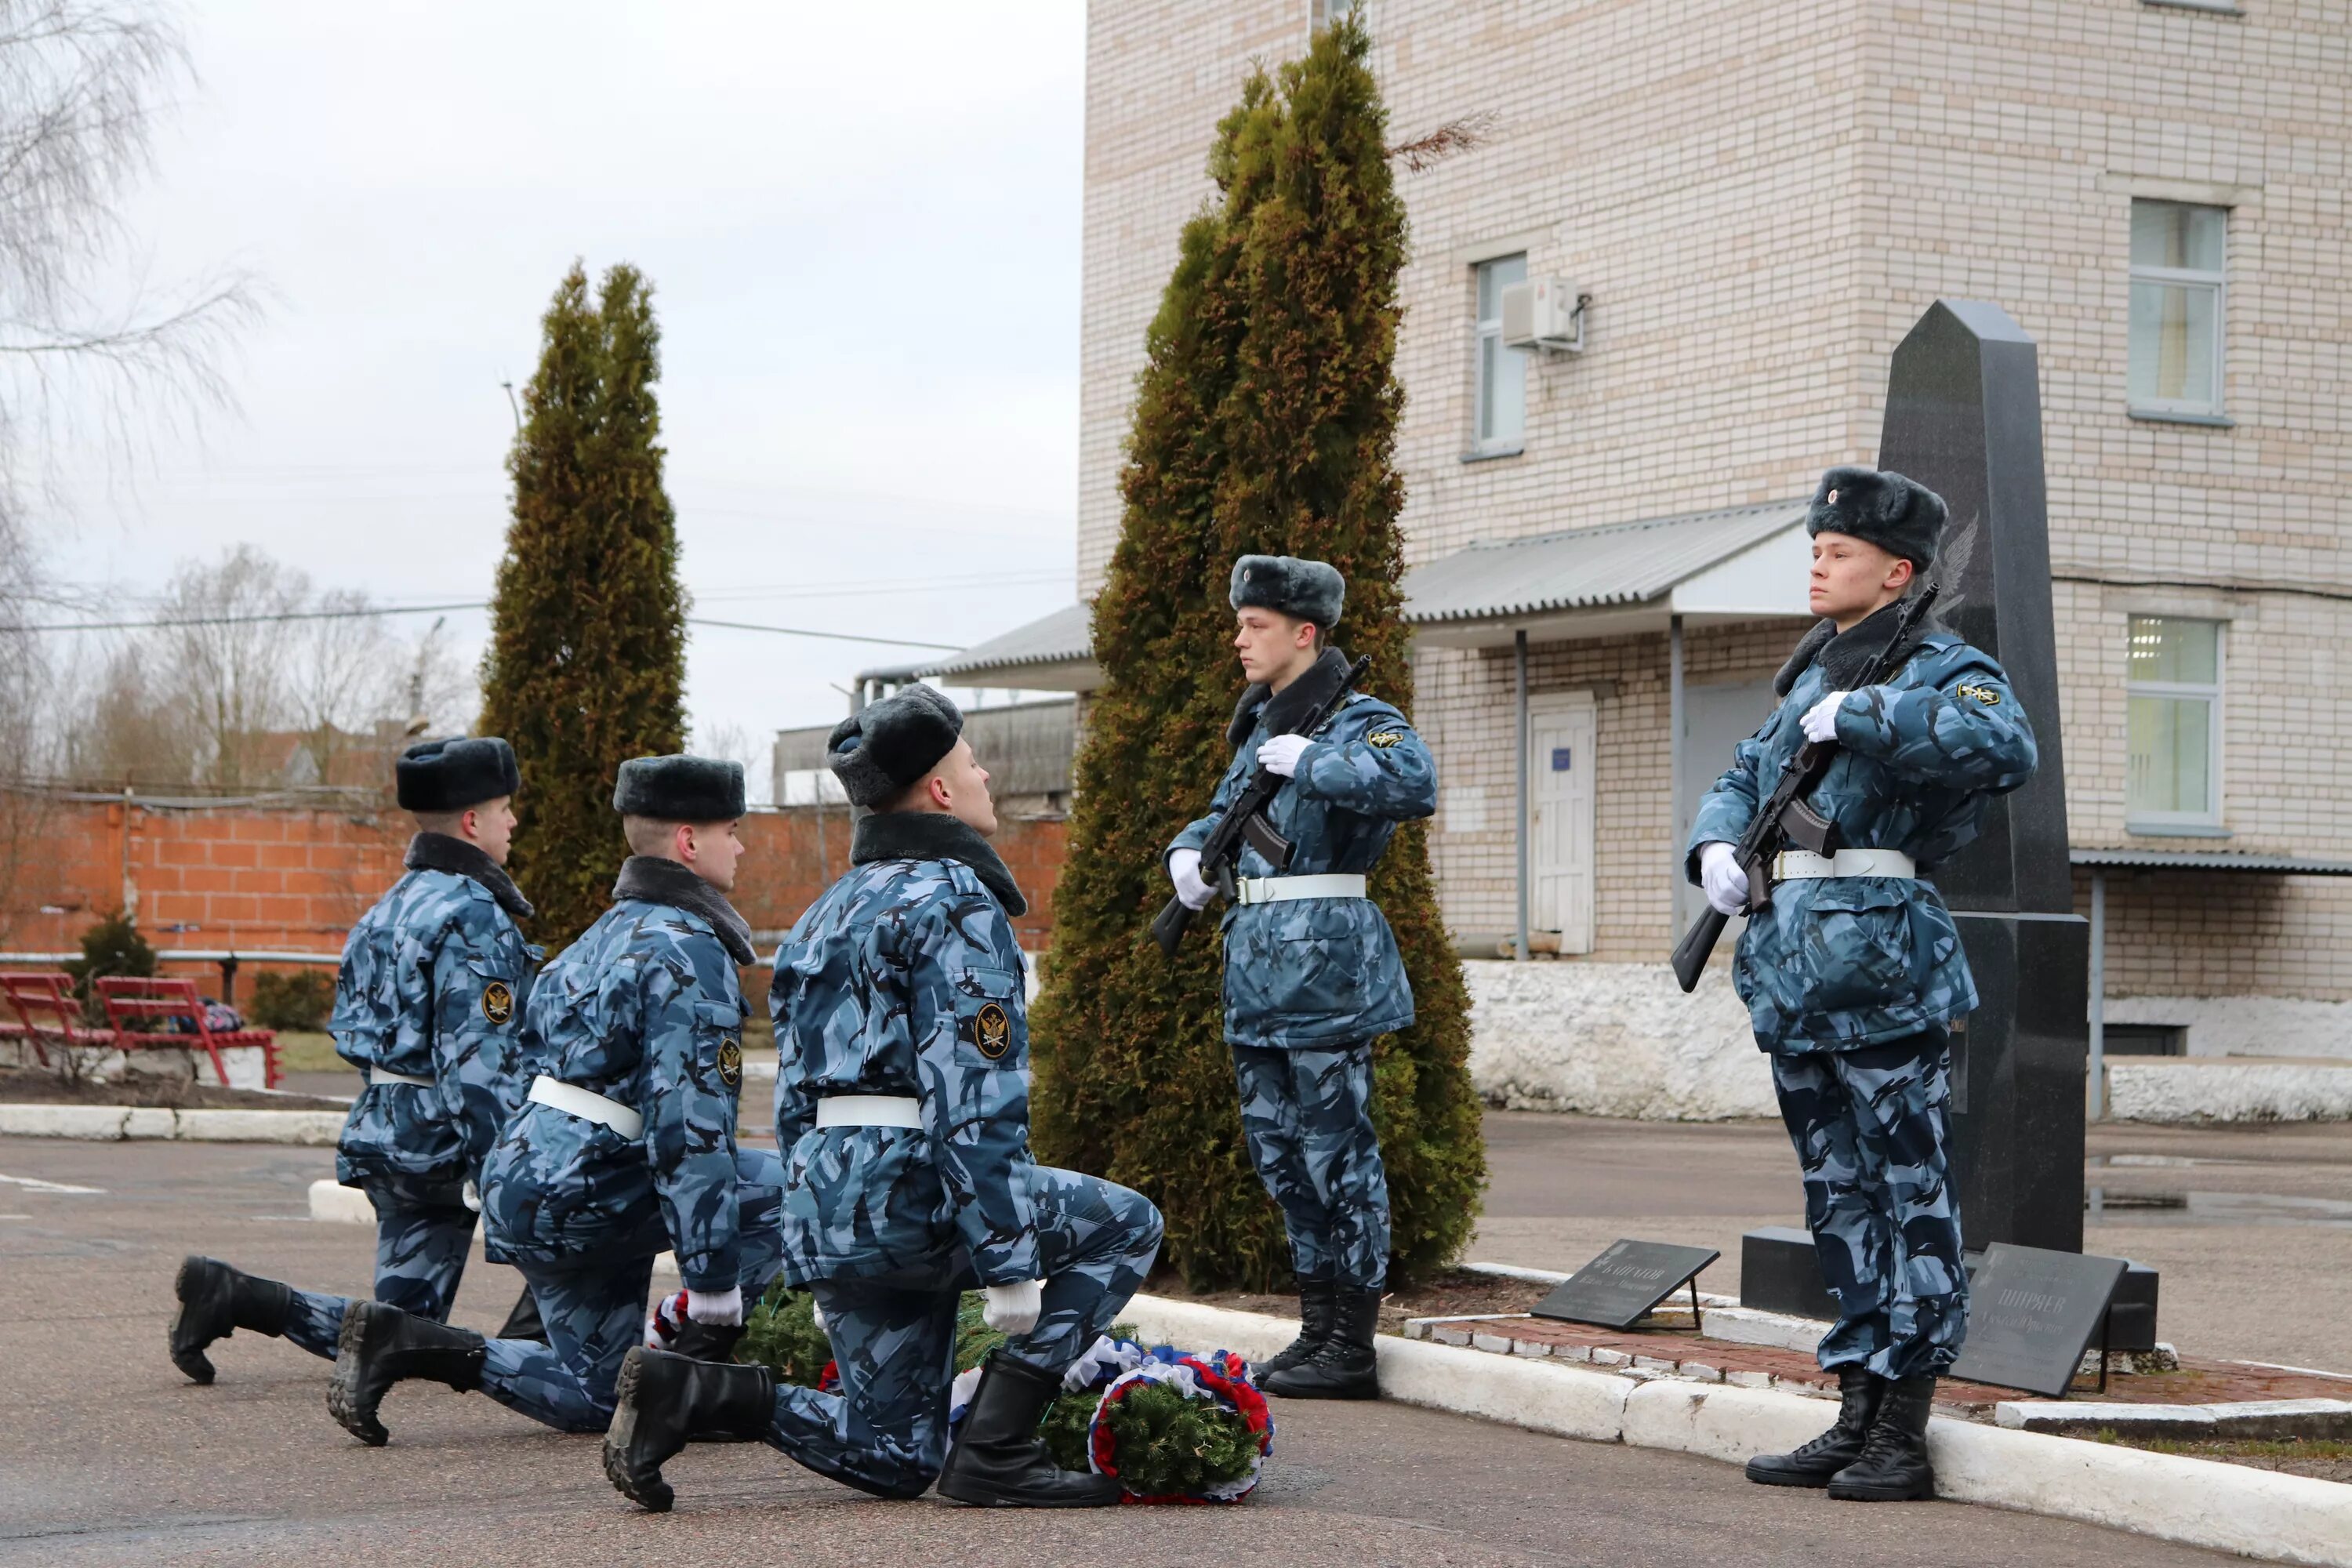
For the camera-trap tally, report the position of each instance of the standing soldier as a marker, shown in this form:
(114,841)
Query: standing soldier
(1312,972)
(428,1007)
(626,1145)
(1853,974)
(902,1097)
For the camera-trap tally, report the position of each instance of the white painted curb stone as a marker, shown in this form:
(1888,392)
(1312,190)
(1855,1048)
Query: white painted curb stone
(2255,1513)
(116,1124)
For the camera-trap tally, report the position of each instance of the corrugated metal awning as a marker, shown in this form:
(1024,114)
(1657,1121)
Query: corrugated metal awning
(1054,653)
(2209,860)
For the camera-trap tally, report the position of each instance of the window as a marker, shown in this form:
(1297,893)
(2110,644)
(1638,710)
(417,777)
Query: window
(1502,395)
(1321,14)
(2176,308)
(2173,731)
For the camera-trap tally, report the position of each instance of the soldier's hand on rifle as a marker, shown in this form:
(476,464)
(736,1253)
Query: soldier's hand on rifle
(1820,723)
(1280,755)
(1724,883)
(1184,871)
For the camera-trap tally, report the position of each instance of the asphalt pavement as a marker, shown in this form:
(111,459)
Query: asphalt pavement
(107,1456)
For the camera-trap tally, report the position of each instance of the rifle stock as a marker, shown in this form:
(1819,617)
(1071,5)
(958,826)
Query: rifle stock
(1691,953)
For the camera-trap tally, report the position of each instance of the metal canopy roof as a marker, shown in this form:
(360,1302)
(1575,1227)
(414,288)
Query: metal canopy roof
(1617,563)
(2209,860)
(1049,654)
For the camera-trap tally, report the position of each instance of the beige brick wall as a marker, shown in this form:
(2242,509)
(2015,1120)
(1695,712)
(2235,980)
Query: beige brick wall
(1762,196)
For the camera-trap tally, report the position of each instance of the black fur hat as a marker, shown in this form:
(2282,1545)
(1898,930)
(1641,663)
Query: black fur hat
(680,789)
(879,752)
(450,776)
(1900,516)
(1303,590)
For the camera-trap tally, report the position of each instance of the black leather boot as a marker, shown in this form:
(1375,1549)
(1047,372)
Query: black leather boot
(380,1346)
(997,1460)
(1813,1464)
(1894,1465)
(523,1322)
(214,1301)
(1317,1300)
(1344,1366)
(664,1401)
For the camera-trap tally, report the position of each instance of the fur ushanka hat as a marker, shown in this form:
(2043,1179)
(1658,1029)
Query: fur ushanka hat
(680,789)
(879,752)
(1900,516)
(435,777)
(1310,590)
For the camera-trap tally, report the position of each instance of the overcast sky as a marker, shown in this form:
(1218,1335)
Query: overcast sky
(862,225)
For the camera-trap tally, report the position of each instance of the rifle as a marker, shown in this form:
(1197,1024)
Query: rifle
(1785,817)
(1244,823)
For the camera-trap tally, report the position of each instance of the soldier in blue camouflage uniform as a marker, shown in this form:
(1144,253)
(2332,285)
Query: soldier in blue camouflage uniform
(1312,972)
(902,1099)
(1853,974)
(428,1007)
(626,1145)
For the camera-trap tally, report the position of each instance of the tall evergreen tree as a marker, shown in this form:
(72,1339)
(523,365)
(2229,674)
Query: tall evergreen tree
(1265,421)
(586,666)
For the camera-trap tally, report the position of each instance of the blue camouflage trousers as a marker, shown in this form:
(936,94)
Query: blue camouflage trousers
(893,1335)
(1308,1116)
(1873,1129)
(594,1309)
(423,1231)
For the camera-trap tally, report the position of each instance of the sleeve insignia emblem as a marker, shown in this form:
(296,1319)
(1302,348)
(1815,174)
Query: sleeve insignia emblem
(730,1063)
(1385,739)
(1984,694)
(498,1002)
(992,1031)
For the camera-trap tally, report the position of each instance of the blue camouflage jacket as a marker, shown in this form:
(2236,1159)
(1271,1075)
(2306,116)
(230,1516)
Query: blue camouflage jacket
(433,985)
(646,1009)
(1838,962)
(905,979)
(1321,972)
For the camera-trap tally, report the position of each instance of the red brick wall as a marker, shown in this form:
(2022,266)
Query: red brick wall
(783,872)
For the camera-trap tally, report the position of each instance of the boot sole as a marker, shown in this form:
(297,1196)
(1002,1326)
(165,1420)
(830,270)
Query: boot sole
(641,1490)
(1924,1492)
(1346,1391)
(192,1360)
(1786,1479)
(980,1499)
(343,1390)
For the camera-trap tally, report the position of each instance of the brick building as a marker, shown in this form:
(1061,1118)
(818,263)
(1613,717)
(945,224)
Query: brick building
(1760,197)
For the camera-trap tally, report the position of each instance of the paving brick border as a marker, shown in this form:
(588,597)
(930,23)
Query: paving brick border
(116,1124)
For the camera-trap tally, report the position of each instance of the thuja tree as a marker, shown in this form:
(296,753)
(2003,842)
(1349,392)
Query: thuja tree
(586,665)
(1265,421)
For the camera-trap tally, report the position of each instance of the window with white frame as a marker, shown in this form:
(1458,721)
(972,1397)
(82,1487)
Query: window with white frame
(1501,417)
(2173,728)
(2176,297)
(1323,12)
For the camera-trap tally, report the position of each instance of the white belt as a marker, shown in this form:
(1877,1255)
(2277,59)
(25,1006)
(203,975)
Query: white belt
(380,1076)
(869,1111)
(1795,865)
(587,1105)
(1273,889)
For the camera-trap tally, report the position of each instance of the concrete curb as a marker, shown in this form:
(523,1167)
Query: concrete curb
(118,1123)
(2202,1502)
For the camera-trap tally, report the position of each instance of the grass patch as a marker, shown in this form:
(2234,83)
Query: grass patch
(304,1050)
(2331,1449)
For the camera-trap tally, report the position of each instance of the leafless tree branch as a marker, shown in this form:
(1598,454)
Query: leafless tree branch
(1472,131)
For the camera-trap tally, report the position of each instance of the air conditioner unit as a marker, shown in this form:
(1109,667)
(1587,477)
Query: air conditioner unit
(1544,313)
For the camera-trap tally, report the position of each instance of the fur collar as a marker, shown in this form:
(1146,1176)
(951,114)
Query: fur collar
(1287,709)
(440,852)
(654,881)
(1846,656)
(934,836)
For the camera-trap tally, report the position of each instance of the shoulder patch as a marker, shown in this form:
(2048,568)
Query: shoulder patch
(1984,694)
(731,1062)
(992,1031)
(1385,739)
(498,1002)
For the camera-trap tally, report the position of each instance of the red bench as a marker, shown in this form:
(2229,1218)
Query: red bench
(47,1010)
(131,1000)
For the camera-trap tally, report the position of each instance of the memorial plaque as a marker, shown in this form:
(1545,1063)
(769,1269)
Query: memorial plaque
(1625,1283)
(2031,1314)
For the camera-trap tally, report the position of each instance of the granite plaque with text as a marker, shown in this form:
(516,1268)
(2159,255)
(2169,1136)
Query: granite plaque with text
(2032,1313)
(1625,1283)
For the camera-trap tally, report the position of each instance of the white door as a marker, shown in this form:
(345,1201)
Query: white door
(1559,819)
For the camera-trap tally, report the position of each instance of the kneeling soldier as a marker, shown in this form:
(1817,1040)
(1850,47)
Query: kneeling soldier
(428,1006)
(626,1145)
(1312,970)
(1853,974)
(902,1097)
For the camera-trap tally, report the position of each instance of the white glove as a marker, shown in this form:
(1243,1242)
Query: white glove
(816,1316)
(1719,874)
(1280,755)
(719,1310)
(1820,723)
(1184,871)
(1013,1309)
(470,1195)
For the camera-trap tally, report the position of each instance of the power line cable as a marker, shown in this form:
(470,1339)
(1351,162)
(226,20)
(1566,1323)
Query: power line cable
(283,616)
